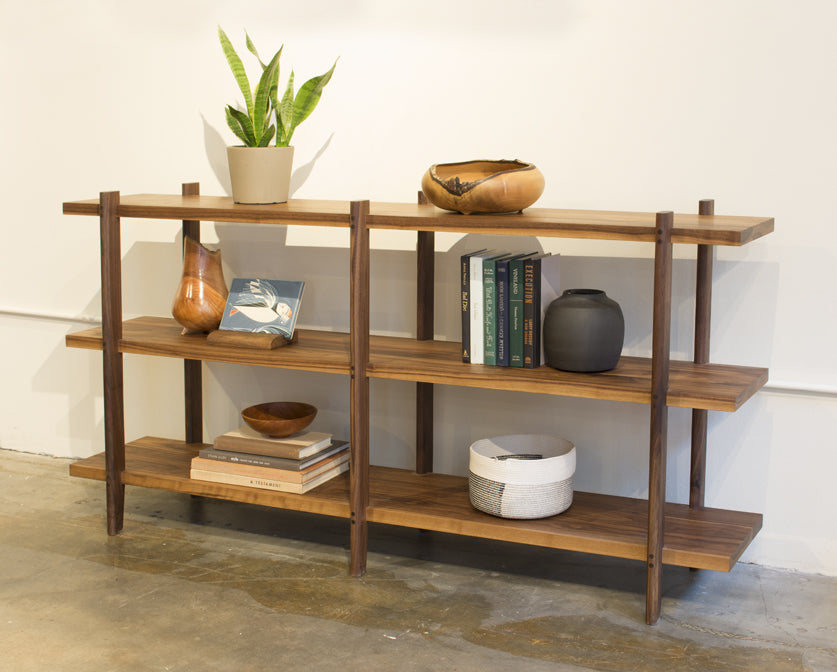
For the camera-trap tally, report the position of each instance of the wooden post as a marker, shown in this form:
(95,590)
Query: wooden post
(659,415)
(359,407)
(192,373)
(703,312)
(425,274)
(111,259)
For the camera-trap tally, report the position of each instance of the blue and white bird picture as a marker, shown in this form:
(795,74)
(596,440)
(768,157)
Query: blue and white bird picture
(263,306)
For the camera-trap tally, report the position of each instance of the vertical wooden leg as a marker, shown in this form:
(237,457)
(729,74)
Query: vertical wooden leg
(424,428)
(659,416)
(192,371)
(111,258)
(359,346)
(425,273)
(192,384)
(697,472)
(703,313)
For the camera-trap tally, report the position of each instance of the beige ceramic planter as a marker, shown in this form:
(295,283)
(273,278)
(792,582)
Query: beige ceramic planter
(260,174)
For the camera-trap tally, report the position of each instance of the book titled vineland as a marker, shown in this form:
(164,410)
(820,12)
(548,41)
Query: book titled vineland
(263,306)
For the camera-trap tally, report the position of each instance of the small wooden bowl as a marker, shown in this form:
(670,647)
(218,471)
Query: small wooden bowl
(483,186)
(279,418)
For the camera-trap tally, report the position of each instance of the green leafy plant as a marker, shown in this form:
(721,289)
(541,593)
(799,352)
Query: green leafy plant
(254,127)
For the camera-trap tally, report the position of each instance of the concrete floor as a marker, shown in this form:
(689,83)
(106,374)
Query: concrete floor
(196,584)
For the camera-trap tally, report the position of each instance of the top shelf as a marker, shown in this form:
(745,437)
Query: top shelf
(221,209)
(548,222)
(598,224)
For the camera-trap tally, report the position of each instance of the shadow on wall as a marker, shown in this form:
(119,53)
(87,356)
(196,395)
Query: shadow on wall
(216,153)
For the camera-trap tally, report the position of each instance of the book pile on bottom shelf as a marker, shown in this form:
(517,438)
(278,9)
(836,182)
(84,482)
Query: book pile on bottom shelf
(296,463)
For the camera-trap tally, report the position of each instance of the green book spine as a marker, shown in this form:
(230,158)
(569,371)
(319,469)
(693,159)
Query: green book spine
(489,288)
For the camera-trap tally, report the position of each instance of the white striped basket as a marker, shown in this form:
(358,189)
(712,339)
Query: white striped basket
(522,475)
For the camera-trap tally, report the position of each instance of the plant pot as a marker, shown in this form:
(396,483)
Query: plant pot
(583,330)
(260,174)
(202,293)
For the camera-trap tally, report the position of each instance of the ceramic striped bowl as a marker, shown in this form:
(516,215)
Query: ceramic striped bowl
(521,475)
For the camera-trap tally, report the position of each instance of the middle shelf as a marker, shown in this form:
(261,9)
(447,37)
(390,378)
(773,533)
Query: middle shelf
(714,387)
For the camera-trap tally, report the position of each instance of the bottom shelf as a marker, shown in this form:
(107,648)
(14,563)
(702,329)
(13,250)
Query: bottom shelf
(164,464)
(599,524)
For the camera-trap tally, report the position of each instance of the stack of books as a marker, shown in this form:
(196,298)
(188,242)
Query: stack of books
(296,463)
(503,301)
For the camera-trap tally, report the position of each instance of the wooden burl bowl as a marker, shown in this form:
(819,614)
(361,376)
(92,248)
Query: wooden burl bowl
(483,186)
(279,418)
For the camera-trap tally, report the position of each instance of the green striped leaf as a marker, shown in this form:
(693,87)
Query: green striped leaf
(241,125)
(267,137)
(309,95)
(237,68)
(262,103)
(252,49)
(286,113)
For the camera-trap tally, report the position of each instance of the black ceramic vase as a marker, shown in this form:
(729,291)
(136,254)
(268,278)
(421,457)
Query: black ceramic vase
(583,330)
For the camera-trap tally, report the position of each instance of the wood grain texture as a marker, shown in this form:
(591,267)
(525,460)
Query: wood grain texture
(279,419)
(425,330)
(713,386)
(609,225)
(660,365)
(323,351)
(111,269)
(193,400)
(424,428)
(600,524)
(249,339)
(191,227)
(597,224)
(222,209)
(425,277)
(192,369)
(359,386)
(703,315)
(154,462)
(483,186)
(201,294)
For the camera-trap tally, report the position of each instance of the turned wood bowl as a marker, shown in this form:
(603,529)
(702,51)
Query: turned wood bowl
(279,418)
(483,186)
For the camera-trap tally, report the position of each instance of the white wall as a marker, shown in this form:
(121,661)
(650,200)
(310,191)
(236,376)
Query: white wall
(643,105)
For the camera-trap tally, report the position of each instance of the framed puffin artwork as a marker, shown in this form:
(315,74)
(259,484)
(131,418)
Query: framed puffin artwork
(263,306)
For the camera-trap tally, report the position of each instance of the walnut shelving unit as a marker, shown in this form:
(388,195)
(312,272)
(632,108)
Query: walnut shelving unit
(650,530)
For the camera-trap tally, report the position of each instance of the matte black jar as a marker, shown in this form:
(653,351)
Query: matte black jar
(583,330)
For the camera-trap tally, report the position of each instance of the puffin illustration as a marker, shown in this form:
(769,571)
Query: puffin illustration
(261,304)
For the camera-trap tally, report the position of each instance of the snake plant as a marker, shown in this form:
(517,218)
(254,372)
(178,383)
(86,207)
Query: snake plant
(254,128)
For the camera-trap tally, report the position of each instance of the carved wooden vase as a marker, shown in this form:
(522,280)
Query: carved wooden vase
(202,293)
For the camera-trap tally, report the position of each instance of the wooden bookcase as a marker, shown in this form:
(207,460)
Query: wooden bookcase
(651,530)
